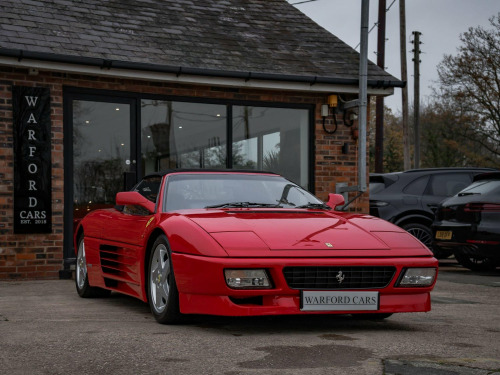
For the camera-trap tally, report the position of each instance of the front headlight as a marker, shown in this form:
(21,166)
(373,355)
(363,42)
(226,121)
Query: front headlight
(247,279)
(418,277)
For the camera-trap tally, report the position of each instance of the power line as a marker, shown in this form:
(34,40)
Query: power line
(376,23)
(306,1)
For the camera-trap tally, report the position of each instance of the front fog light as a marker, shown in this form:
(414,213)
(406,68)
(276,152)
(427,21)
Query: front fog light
(247,279)
(418,277)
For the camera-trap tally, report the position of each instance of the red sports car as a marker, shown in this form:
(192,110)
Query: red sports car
(243,243)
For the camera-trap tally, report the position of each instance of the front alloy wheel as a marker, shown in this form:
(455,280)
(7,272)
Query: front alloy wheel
(163,294)
(424,235)
(81,278)
(420,232)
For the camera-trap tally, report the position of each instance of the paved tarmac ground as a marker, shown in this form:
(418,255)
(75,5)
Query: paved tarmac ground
(45,328)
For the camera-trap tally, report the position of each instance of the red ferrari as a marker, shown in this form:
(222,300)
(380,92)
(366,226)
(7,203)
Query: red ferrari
(248,243)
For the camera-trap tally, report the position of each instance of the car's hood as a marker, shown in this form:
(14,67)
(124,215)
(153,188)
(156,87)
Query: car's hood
(250,231)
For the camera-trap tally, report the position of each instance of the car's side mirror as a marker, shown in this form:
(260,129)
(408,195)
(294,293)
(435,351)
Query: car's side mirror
(133,198)
(335,200)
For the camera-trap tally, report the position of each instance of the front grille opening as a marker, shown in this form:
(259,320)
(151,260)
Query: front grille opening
(256,300)
(339,277)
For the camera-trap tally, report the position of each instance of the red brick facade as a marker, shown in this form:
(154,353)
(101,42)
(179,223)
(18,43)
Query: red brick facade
(39,256)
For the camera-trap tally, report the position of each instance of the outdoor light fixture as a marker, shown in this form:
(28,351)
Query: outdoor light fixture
(325,112)
(336,105)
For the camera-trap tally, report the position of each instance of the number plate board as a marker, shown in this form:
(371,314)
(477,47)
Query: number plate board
(444,234)
(328,300)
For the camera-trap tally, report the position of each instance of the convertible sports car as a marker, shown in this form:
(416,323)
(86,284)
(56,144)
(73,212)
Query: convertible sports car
(241,243)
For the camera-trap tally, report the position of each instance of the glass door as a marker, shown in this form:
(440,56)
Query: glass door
(100,160)
(101,154)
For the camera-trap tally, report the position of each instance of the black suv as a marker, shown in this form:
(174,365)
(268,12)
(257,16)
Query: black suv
(409,199)
(468,224)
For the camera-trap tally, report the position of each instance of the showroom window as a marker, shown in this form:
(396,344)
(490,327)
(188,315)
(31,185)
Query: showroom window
(194,135)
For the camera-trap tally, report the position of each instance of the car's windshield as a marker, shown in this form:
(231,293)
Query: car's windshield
(213,190)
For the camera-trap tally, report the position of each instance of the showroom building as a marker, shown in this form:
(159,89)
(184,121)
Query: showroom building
(95,95)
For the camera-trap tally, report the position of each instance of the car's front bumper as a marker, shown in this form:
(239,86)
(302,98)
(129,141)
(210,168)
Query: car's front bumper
(203,290)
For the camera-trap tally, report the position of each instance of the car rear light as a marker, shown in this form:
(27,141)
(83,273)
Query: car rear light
(482,207)
(417,277)
(247,279)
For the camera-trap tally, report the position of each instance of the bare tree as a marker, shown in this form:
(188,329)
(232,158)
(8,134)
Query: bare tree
(470,83)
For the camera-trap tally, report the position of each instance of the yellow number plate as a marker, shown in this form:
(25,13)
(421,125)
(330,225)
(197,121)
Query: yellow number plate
(444,234)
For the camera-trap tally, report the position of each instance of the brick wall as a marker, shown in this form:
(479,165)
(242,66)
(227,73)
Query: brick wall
(40,256)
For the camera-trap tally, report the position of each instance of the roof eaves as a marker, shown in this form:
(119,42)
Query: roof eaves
(178,70)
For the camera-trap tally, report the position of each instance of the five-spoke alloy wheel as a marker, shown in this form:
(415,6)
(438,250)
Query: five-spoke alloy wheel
(162,289)
(82,282)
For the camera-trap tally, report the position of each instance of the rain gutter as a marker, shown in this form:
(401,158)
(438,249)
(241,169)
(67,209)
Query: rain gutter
(28,58)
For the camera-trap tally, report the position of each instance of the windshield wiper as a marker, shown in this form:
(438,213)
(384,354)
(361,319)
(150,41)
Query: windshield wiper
(242,204)
(315,205)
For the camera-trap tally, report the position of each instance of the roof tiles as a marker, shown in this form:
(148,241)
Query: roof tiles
(261,36)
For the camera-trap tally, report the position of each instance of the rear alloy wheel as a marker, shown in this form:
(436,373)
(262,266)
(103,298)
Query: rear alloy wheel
(162,289)
(81,278)
(473,262)
(424,235)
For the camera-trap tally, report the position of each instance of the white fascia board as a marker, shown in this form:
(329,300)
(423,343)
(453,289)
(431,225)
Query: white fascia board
(191,79)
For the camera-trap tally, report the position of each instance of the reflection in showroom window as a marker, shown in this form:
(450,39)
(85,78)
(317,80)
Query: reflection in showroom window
(273,139)
(182,135)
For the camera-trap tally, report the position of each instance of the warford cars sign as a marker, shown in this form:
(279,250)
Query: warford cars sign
(32,160)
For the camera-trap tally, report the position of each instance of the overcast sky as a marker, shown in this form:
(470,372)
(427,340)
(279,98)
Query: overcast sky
(440,21)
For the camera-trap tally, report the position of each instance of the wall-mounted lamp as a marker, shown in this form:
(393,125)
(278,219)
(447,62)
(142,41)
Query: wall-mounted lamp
(337,105)
(325,112)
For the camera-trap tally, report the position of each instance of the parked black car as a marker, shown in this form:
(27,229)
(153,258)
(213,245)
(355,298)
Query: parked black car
(409,199)
(469,224)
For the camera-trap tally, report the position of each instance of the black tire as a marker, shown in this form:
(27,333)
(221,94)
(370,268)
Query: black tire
(375,316)
(424,234)
(163,295)
(81,276)
(474,263)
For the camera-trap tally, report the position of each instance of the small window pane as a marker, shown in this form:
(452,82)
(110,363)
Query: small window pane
(447,185)
(416,187)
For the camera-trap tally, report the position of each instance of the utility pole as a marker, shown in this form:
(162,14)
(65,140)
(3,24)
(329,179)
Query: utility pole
(404,77)
(363,97)
(379,106)
(416,66)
